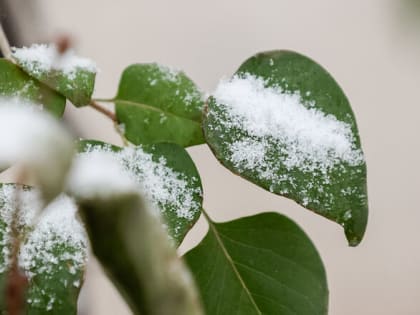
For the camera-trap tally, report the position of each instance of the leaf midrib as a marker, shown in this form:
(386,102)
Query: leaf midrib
(152,108)
(231,262)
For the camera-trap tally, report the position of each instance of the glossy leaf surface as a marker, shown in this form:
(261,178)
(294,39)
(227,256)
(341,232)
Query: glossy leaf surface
(283,123)
(263,264)
(158,104)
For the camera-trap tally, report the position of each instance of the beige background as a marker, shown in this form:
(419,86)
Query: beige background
(370,46)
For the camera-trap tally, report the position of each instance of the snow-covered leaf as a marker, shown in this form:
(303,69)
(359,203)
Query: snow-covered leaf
(283,123)
(16,83)
(165,173)
(68,74)
(159,104)
(128,239)
(263,264)
(38,142)
(53,252)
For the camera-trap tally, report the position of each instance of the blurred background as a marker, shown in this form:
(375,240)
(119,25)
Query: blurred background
(372,48)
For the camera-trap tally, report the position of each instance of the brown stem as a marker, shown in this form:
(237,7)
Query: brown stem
(16,281)
(103,110)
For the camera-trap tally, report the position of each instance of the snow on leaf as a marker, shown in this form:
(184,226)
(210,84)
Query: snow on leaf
(283,123)
(309,139)
(159,104)
(42,58)
(67,73)
(54,248)
(174,190)
(37,141)
(98,174)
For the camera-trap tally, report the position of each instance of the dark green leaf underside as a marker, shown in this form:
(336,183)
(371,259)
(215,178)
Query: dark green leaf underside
(16,83)
(340,194)
(157,104)
(176,160)
(263,264)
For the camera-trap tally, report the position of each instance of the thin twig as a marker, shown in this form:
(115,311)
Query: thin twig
(16,281)
(94,104)
(104,100)
(4,44)
(103,110)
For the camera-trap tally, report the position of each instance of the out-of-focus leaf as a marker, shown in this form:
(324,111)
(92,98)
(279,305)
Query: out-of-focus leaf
(68,74)
(129,240)
(16,83)
(53,252)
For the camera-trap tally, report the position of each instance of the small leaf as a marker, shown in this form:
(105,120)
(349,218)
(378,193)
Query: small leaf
(53,254)
(168,177)
(283,123)
(129,240)
(68,74)
(263,264)
(158,104)
(16,83)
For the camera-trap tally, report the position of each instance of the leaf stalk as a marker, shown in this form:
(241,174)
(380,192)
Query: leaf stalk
(103,110)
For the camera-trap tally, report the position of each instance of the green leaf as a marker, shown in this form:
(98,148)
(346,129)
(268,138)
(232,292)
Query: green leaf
(263,264)
(16,83)
(283,123)
(167,175)
(53,253)
(137,255)
(71,76)
(157,104)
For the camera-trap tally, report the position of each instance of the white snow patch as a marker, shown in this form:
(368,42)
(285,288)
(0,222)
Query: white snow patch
(307,138)
(161,185)
(26,130)
(35,139)
(41,58)
(98,174)
(57,227)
